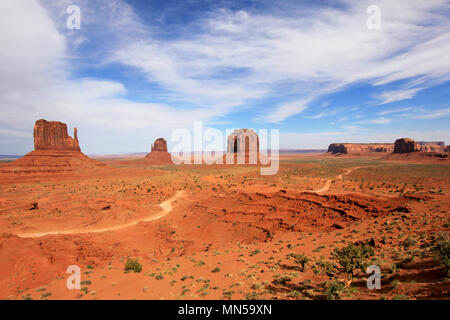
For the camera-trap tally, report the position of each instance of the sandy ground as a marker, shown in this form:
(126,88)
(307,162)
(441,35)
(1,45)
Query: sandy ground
(222,232)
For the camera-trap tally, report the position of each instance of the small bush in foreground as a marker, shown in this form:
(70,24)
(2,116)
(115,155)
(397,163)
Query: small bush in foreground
(333,290)
(133,265)
(442,250)
(300,259)
(351,258)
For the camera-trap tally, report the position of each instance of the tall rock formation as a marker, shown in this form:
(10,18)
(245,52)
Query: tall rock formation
(55,152)
(159,145)
(242,147)
(405,145)
(159,154)
(52,135)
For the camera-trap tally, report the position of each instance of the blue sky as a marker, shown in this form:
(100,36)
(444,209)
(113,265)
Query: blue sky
(138,70)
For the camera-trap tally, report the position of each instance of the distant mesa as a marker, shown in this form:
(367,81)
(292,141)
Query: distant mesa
(356,148)
(55,151)
(159,154)
(408,149)
(407,145)
(433,146)
(403,145)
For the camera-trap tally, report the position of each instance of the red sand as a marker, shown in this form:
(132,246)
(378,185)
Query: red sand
(228,234)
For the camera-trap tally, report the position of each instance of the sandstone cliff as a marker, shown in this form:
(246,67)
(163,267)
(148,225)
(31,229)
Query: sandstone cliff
(52,135)
(159,145)
(405,145)
(431,147)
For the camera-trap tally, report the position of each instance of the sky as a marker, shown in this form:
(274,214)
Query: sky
(138,70)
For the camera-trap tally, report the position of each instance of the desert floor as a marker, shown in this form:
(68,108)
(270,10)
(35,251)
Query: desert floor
(223,232)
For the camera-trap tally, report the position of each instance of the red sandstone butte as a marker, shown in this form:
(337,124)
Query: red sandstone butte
(55,152)
(159,145)
(52,135)
(159,154)
(242,147)
(405,145)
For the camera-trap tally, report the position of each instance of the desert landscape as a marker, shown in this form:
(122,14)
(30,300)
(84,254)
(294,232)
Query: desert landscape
(144,228)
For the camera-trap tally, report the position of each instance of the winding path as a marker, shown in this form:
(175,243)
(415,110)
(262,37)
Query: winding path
(166,207)
(327,184)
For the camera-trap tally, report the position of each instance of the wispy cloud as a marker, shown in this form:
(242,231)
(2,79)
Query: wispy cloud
(397,95)
(398,110)
(435,114)
(317,52)
(287,110)
(218,63)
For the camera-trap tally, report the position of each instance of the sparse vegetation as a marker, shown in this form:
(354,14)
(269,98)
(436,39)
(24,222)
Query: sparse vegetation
(352,258)
(333,290)
(301,260)
(442,251)
(133,265)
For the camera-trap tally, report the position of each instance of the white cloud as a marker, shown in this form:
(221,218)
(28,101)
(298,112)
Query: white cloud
(286,110)
(35,82)
(314,52)
(397,95)
(434,114)
(217,63)
(398,110)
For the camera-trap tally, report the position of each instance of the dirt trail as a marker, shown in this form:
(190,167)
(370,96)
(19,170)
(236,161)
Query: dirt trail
(166,207)
(327,184)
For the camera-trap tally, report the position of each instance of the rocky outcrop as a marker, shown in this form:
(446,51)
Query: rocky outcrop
(447,149)
(159,154)
(52,135)
(159,145)
(354,148)
(405,145)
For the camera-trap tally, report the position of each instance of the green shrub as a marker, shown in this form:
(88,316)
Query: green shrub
(300,259)
(333,290)
(409,242)
(133,265)
(282,279)
(328,267)
(351,258)
(442,250)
